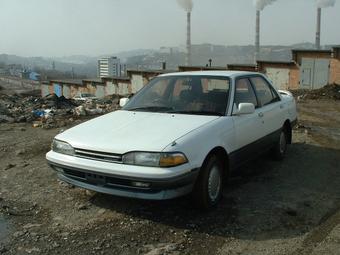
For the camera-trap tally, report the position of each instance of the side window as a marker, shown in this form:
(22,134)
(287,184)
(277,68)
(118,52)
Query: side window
(264,92)
(244,92)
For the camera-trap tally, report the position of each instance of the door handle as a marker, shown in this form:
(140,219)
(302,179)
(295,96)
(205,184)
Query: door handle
(260,114)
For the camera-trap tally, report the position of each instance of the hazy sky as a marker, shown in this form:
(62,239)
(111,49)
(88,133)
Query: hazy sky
(94,27)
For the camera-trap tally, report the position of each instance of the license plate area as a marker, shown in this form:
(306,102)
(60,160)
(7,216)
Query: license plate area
(95,179)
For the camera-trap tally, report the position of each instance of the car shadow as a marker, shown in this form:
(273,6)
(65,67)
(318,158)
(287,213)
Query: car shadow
(266,200)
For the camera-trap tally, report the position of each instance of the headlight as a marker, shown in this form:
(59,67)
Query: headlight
(154,159)
(62,147)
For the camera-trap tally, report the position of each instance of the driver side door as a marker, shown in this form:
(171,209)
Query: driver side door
(249,127)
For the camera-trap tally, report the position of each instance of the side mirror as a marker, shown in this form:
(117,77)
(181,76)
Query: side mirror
(244,108)
(123,101)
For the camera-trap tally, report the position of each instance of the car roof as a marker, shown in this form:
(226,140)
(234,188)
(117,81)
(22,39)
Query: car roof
(230,74)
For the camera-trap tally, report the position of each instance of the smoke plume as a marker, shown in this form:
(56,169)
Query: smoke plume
(261,4)
(187,5)
(325,3)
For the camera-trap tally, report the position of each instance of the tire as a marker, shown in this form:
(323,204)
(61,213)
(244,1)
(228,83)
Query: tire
(280,147)
(209,184)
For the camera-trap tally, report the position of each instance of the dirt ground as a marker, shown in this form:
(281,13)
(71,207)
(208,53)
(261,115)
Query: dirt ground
(289,207)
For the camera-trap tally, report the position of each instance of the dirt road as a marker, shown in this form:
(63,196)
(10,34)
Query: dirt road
(289,207)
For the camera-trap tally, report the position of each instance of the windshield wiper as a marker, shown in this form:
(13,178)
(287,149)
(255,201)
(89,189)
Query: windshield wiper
(152,108)
(198,113)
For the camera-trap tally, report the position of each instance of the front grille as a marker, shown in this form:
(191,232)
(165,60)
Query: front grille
(105,181)
(74,173)
(98,155)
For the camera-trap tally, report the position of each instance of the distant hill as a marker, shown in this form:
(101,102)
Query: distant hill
(85,69)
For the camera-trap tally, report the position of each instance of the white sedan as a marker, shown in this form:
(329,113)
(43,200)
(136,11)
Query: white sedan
(84,97)
(182,133)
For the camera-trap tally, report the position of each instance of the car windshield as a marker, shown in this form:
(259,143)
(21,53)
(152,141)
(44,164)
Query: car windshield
(202,95)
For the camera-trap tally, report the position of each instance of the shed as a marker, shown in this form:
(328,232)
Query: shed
(299,54)
(117,85)
(242,67)
(95,86)
(201,68)
(335,66)
(314,67)
(66,88)
(283,74)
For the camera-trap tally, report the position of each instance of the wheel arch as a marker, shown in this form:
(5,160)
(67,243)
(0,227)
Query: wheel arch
(222,154)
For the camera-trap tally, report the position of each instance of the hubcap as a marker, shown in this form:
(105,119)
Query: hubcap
(283,143)
(214,183)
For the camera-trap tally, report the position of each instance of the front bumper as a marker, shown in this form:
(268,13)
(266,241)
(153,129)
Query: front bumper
(153,188)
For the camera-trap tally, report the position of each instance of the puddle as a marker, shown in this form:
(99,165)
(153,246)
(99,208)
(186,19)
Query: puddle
(4,228)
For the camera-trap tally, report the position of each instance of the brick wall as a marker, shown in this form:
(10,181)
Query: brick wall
(294,78)
(334,71)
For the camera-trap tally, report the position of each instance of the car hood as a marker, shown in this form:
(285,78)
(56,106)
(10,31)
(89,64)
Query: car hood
(124,131)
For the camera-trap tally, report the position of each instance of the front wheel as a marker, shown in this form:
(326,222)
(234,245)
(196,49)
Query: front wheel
(209,185)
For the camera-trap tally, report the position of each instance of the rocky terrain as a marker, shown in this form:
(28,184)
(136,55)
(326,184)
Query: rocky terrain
(288,207)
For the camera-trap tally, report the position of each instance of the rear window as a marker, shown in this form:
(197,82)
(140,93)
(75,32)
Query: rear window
(244,92)
(264,91)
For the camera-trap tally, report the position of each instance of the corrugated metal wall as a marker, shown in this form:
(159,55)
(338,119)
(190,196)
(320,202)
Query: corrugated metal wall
(314,73)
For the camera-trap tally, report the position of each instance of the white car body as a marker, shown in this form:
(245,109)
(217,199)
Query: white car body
(84,97)
(196,136)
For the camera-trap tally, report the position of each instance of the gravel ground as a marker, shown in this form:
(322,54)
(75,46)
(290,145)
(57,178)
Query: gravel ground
(289,207)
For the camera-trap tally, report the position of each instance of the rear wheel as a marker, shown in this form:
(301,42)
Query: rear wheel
(280,147)
(209,185)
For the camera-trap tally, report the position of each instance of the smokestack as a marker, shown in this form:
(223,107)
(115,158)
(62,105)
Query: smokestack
(188,53)
(318,29)
(187,5)
(257,35)
(321,4)
(259,5)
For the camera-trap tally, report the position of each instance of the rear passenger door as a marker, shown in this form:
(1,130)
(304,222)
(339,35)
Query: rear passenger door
(271,107)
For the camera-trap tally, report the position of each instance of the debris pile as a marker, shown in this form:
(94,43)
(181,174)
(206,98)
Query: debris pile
(51,111)
(331,91)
